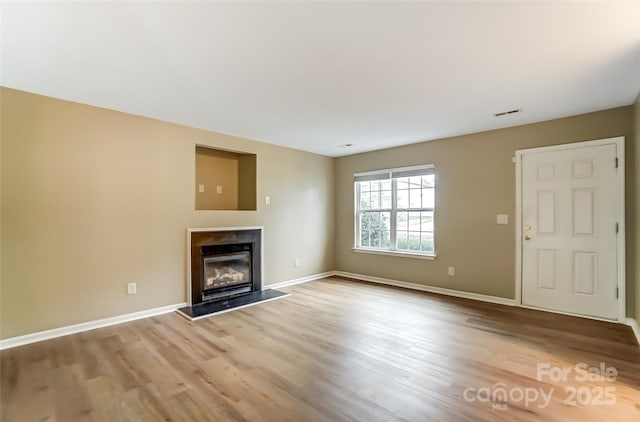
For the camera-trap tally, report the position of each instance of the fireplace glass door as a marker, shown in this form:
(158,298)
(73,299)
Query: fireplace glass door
(224,272)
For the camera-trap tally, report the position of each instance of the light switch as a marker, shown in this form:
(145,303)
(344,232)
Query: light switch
(200,188)
(219,189)
(502,219)
(267,200)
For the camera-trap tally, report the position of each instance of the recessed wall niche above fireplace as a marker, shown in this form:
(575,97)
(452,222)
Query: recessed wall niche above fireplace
(224,270)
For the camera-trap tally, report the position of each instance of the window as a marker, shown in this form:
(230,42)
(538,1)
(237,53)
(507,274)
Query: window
(395,210)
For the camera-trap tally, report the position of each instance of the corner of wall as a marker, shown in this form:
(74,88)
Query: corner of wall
(636,205)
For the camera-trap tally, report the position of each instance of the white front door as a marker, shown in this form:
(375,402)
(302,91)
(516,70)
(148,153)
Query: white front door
(570,212)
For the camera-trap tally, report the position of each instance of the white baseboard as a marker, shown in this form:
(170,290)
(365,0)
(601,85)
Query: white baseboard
(90,325)
(85,326)
(300,280)
(430,289)
(467,295)
(635,327)
(397,283)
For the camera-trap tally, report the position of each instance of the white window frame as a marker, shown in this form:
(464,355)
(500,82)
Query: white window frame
(402,172)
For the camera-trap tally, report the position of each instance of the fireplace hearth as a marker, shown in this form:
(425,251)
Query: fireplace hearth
(225,270)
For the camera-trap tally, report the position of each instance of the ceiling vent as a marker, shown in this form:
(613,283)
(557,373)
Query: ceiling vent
(505,113)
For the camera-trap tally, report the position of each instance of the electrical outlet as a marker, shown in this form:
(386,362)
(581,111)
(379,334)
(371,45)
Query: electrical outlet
(218,189)
(201,188)
(452,271)
(132,288)
(296,262)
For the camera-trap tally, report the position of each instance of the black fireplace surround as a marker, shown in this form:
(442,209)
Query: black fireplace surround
(225,264)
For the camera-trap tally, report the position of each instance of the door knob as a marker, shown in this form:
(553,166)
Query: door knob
(527,237)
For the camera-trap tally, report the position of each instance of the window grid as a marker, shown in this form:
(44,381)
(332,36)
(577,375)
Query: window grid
(415,234)
(403,224)
(374,216)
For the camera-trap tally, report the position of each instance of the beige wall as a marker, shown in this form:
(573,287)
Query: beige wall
(476,181)
(93,199)
(216,168)
(247,181)
(634,255)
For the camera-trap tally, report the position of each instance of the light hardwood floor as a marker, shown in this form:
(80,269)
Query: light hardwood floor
(335,350)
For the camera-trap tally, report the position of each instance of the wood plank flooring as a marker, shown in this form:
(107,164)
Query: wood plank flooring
(335,350)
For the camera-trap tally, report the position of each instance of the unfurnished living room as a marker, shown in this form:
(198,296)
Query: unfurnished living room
(319,211)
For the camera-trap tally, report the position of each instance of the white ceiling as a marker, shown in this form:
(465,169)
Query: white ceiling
(315,75)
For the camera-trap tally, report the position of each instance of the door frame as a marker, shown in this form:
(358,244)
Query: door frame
(621,247)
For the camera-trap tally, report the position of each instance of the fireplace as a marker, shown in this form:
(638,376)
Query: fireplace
(225,271)
(224,264)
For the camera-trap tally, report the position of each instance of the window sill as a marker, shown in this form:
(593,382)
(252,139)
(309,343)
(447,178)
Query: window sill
(395,253)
